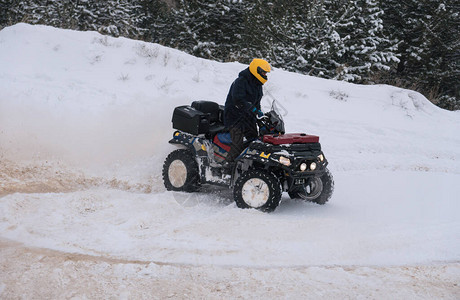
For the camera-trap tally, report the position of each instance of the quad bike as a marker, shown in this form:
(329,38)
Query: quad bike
(269,165)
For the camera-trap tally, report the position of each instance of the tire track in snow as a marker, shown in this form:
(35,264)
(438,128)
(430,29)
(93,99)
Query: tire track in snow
(45,273)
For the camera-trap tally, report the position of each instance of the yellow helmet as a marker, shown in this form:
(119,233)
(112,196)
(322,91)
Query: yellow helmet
(259,68)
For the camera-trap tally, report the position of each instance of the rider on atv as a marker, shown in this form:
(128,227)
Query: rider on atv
(242,106)
(271,162)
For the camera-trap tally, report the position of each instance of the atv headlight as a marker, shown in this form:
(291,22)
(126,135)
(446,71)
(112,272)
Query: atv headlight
(285,161)
(321,157)
(313,166)
(303,167)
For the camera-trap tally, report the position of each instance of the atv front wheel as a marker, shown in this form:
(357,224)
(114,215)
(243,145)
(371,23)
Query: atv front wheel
(318,189)
(180,171)
(257,189)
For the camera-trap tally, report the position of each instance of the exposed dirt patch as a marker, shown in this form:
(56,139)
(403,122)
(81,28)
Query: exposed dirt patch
(55,178)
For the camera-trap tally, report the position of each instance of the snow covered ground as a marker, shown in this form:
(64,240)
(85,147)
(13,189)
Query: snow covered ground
(84,125)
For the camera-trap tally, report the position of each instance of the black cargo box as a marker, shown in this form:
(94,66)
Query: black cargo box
(190,120)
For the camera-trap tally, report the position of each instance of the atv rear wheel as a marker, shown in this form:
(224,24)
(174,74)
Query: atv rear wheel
(257,189)
(318,189)
(180,171)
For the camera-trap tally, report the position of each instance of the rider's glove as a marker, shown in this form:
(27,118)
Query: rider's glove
(259,114)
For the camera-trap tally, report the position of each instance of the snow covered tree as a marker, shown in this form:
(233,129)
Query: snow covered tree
(114,17)
(364,47)
(328,38)
(9,13)
(13,11)
(118,17)
(156,21)
(209,29)
(428,35)
(296,36)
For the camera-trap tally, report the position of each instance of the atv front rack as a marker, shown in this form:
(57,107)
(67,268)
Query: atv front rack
(290,138)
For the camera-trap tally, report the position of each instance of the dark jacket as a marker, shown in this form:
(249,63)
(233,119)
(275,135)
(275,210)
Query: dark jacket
(245,94)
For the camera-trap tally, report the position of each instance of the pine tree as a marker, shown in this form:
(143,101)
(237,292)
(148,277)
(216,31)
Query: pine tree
(365,47)
(428,34)
(156,21)
(10,12)
(118,18)
(292,35)
(14,11)
(209,29)
(328,38)
(114,17)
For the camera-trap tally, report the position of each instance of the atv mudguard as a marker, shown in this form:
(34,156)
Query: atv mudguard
(194,143)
